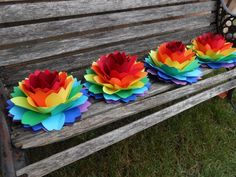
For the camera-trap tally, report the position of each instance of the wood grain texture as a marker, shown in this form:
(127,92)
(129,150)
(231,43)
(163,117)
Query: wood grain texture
(92,23)
(76,64)
(6,150)
(37,51)
(111,113)
(75,153)
(43,10)
(21,136)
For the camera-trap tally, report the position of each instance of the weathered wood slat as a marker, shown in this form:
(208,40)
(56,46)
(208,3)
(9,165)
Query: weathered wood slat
(49,29)
(112,113)
(41,10)
(73,154)
(98,108)
(38,51)
(13,74)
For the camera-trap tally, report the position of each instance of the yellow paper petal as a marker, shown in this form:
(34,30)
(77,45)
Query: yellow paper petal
(200,53)
(89,77)
(22,102)
(97,80)
(109,90)
(153,55)
(31,101)
(213,55)
(178,65)
(55,99)
(137,84)
(21,88)
(228,51)
(75,96)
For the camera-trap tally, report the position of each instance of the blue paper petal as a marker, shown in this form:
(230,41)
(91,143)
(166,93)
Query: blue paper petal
(131,98)
(10,104)
(17,113)
(140,90)
(54,122)
(71,115)
(76,83)
(85,91)
(111,97)
(194,73)
(163,76)
(37,128)
(192,79)
(148,85)
(219,65)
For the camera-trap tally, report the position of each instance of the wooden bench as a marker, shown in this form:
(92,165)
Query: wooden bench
(69,35)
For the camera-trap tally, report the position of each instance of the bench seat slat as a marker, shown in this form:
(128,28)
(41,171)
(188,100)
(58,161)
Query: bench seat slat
(73,154)
(44,10)
(22,33)
(91,41)
(78,63)
(112,113)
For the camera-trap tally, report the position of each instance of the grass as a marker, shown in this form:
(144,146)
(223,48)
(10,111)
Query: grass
(200,142)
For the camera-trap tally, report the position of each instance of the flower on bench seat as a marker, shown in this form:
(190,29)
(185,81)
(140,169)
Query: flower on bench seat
(117,77)
(172,62)
(214,51)
(47,100)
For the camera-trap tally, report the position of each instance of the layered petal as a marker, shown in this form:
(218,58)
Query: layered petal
(214,51)
(115,76)
(173,62)
(47,100)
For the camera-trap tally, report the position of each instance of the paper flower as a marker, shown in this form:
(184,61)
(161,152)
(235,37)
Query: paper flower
(47,100)
(117,77)
(172,62)
(213,51)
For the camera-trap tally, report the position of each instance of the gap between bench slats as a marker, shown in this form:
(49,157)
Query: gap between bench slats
(44,10)
(91,41)
(78,63)
(92,23)
(108,113)
(73,154)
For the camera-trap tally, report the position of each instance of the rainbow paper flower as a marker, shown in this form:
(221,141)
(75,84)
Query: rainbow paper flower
(48,100)
(172,62)
(213,51)
(117,77)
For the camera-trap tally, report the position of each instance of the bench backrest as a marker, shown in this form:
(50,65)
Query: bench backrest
(69,35)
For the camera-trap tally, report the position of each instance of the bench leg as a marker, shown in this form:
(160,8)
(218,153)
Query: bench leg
(230,99)
(7,158)
(230,94)
(12,159)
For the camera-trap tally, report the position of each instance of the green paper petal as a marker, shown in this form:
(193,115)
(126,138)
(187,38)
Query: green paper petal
(174,71)
(33,118)
(124,93)
(89,78)
(145,80)
(96,89)
(23,103)
(18,93)
(90,71)
(44,110)
(74,91)
(206,58)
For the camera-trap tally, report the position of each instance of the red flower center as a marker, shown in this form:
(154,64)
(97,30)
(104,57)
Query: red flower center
(45,80)
(175,46)
(216,41)
(116,63)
